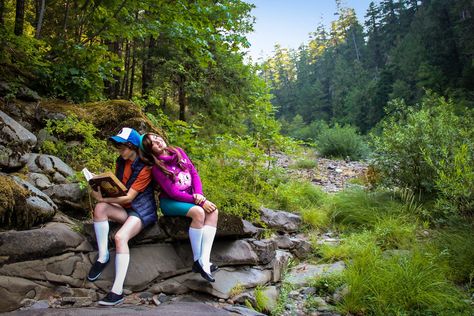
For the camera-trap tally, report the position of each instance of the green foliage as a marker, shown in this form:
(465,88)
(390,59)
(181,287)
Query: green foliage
(78,72)
(411,284)
(326,284)
(236,176)
(455,181)
(394,232)
(427,150)
(455,245)
(341,142)
(361,209)
(77,145)
(261,300)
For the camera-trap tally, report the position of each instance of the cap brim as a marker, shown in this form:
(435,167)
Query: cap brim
(117,139)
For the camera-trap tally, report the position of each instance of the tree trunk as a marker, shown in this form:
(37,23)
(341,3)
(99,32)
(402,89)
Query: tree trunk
(19,17)
(66,14)
(147,68)
(181,97)
(124,89)
(134,63)
(2,11)
(40,7)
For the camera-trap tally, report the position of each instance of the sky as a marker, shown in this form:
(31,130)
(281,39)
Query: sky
(289,22)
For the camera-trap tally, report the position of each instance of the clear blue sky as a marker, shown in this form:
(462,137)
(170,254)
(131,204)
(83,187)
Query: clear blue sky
(289,22)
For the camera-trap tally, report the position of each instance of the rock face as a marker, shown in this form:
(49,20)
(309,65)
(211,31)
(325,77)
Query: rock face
(16,142)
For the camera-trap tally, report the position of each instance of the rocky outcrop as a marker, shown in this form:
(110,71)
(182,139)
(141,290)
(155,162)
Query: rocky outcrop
(49,254)
(16,143)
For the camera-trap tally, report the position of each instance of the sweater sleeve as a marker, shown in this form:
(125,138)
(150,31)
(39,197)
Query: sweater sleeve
(195,179)
(169,188)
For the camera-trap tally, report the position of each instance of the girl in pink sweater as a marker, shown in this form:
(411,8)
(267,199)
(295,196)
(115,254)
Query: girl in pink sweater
(181,195)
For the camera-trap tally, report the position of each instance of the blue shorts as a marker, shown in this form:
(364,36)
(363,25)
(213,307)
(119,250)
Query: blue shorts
(174,208)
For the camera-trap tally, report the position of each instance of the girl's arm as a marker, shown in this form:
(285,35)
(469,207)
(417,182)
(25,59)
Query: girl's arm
(126,199)
(195,179)
(169,188)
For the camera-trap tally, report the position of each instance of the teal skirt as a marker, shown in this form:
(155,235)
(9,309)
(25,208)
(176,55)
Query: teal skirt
(174,208)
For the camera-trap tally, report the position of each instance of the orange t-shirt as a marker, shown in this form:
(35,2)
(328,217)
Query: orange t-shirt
(143,180)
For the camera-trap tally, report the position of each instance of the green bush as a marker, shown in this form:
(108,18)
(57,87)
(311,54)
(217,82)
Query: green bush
(413,136)
(455,181)
(342,142)
(78,72)
(85,151)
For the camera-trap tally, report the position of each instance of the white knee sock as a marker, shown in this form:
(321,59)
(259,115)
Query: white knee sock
(102,234)
(195,236)
(208,233)
(121,267)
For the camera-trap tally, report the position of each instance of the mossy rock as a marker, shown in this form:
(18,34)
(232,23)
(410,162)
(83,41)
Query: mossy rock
(108,116)
(12,198)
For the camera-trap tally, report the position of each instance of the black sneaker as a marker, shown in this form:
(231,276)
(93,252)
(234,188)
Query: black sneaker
(96,270)
(214,268)
(197,268)
(112,299)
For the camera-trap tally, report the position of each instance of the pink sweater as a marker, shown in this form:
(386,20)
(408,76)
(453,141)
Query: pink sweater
(186,183)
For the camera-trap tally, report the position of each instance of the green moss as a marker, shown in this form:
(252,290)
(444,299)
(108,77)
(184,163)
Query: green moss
(11,195)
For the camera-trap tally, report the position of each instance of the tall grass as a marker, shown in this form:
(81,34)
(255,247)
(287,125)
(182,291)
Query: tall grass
(356,209)
(303,198)
(409,284)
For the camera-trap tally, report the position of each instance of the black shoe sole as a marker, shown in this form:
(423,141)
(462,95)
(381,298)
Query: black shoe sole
(103,303)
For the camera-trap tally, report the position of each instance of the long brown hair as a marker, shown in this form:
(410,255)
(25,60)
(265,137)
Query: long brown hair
(146,155)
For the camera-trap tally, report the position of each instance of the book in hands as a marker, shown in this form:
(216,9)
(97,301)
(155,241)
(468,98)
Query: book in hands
(110,185)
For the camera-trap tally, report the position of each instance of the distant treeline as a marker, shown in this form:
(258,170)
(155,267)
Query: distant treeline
(348,73)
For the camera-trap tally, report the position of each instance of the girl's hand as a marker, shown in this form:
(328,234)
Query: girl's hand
(198,198)
(209,207)
(97,194)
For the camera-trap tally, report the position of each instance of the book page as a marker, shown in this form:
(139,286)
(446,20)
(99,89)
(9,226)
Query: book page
(87,174)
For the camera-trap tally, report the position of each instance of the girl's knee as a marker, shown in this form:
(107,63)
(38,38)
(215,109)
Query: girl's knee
(120,239)
(100,210)
(197,213)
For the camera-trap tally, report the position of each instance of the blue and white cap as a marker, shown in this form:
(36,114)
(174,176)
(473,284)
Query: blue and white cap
(127,134)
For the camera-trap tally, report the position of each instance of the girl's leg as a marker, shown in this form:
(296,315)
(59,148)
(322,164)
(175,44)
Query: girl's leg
(104,212)
(195,230)
(132,226)
(208,234)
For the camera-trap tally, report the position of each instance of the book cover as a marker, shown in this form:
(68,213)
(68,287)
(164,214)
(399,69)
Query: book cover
(110,185)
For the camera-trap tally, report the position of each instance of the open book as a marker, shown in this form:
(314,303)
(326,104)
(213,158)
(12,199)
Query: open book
(110,185)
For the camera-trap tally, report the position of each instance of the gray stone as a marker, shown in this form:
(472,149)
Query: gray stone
(49,165)
(39,180)
(54,239)
(14,290)
(244,311)
(283,242)
(227,279)
(15,142)
(301,248)
(238,252)
(279,264)
(265,250)
(67,195)
(280,220)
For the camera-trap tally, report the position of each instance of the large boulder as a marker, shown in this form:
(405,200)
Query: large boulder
(229,226)
(51,240)
(15,143)
(23,206)
(54,168)
(280,220)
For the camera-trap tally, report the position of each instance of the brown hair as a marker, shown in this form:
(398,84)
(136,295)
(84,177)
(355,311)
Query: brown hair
(146,155)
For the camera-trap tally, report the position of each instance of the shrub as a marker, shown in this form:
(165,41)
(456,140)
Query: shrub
(412,137)
(86,149)
(342,142)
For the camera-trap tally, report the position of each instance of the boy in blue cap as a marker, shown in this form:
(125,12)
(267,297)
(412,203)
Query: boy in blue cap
(134,211)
